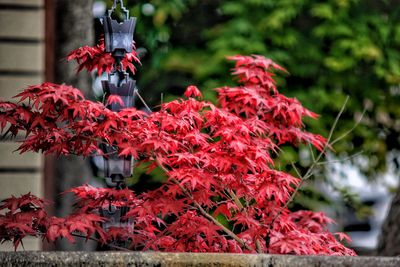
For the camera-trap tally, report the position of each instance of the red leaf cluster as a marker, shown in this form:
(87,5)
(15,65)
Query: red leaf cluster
(193,91)
(95,58)
(25,216)
(222,193)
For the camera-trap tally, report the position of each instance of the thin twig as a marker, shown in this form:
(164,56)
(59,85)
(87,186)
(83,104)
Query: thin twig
(341,160)
(311,151)
(328,144)
(104,99)
(236,200)
(337,120)
(258,246)
(242,209)
(204,212)
(308,173)
(289,200)
(351,129)
(296,170)
(141,99)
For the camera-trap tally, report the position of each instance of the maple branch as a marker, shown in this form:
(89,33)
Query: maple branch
(308,173)
(193,135)
(242,209)
(295,169)
(335,122)
(311,151)
(258,246)
(142,100)
(236,200)
(342,159)
(316,161)
(216,222)
(351,129)
(204,212)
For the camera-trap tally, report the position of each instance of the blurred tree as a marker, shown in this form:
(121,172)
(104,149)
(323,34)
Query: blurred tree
(74,27)
(389,243)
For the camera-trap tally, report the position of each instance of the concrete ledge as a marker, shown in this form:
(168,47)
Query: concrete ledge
(183,259)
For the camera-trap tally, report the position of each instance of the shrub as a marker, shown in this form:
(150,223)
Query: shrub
(222,193)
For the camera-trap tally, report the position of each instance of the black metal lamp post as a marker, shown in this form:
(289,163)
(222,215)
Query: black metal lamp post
(118,41)
(118,37)
(115,167)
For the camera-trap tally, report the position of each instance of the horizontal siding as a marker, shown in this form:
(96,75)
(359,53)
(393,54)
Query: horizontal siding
(17,184)
(22,63)
(29,25)
(12,85)
(30,243)
(21,57)
(13,160)
(33,3)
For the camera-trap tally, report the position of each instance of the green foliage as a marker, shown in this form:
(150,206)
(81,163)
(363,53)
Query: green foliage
(333,48)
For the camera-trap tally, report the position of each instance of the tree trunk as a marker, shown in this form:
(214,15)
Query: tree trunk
(389,241)
(73,28)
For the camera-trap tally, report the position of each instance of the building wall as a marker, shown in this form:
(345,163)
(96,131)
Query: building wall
(22,63)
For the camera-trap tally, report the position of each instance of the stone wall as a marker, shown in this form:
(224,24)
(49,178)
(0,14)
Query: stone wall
(184,259)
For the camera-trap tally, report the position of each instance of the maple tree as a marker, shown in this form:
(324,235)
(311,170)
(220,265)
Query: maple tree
(222,193)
